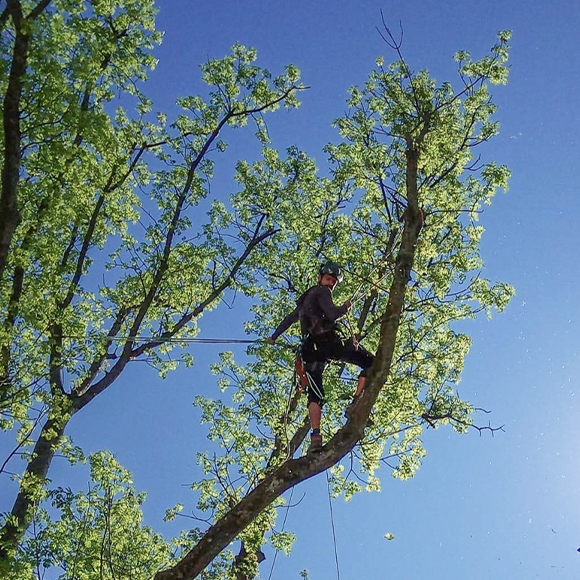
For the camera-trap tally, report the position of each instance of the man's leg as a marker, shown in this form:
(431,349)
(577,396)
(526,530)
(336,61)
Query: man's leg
(360,386)
(360,357)
(315,414)
(315,402)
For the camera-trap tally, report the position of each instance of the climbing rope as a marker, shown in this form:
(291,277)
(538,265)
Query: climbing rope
(332,524)
(333,530)
(358,294)
(167,339)
(286,415)
(283,526)
(351,330)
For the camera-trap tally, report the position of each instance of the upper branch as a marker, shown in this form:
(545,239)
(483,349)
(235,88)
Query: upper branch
(38,9)
(9,214)
(186,318)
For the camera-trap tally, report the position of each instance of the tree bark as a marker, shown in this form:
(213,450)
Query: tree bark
(9,214)
(20,516)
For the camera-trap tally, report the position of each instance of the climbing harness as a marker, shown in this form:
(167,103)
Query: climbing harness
(301,376)
(303,379)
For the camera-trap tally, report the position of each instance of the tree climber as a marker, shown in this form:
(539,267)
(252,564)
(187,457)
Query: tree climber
(321,343)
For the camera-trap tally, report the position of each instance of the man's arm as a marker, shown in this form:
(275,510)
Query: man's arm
(284,325)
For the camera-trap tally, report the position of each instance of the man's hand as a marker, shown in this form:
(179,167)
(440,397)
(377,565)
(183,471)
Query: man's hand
(348,304)
(271,340)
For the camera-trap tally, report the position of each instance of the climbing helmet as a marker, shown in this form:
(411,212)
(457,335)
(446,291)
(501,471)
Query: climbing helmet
(331,268)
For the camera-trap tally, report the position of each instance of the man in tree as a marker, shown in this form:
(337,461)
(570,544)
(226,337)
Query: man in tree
(322,342)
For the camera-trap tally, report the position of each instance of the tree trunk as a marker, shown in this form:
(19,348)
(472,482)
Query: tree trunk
(34,478)
(9,214)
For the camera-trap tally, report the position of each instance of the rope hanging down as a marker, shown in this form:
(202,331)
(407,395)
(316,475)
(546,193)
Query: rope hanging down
(333,530)
(283,526)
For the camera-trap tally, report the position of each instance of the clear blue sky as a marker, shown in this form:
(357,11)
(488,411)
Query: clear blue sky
(481,507)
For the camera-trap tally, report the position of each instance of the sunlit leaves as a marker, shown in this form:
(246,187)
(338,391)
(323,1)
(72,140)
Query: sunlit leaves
(112,239)
(358,214)
(97,532)
(122,232)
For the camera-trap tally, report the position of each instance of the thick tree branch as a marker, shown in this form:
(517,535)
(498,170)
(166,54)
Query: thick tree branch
(98,361)
(9,215)
(17,286)
(13,531)
(294,471)
(83,253)
(37,10)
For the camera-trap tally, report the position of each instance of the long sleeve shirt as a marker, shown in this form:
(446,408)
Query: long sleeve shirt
(316,312)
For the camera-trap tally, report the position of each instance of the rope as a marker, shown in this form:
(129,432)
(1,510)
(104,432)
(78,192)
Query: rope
(167,339)
(283,526)
(314,386)
(287,413)
(333,530)
(351,330)
(355,298)
(331,520)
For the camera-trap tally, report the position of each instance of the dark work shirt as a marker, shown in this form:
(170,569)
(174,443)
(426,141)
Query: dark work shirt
(316,312)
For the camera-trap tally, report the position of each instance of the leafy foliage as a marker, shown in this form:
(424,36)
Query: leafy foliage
(99,533)
(120,236)
(360,227)
(108,246)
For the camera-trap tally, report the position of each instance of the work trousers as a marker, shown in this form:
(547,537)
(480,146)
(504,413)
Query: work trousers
(318,350)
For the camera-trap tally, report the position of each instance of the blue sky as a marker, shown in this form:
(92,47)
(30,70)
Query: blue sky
(481,507)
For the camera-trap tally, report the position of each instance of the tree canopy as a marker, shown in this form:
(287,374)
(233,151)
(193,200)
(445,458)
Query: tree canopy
(113,245)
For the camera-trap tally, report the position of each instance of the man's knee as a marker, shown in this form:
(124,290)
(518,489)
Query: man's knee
(315,389)
(315,399)
(367,365)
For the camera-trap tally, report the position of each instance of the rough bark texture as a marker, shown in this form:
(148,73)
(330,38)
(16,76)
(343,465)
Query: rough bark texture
(295,471)
(9,214)
(13,531)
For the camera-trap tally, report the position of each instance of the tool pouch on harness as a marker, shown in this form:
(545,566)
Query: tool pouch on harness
(302,378)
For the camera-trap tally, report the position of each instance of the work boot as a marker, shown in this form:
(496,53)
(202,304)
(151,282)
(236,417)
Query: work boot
(315,443)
